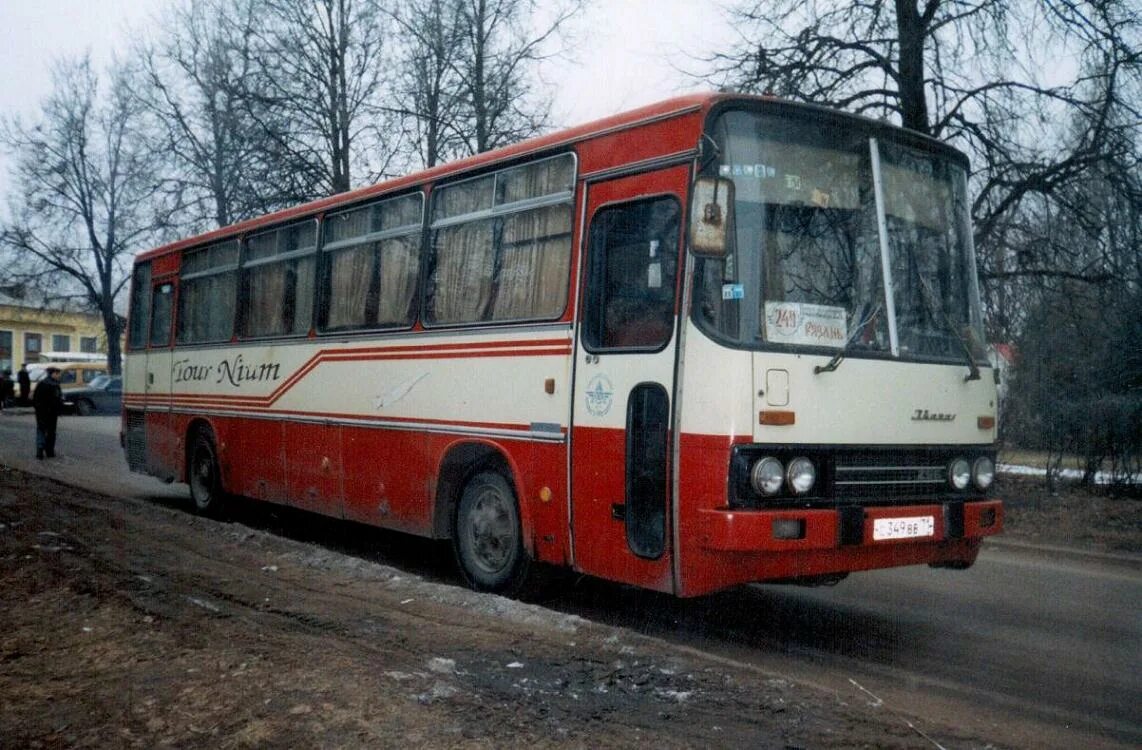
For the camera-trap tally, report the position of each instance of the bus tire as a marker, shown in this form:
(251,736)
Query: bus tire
(204,476)
(487,538)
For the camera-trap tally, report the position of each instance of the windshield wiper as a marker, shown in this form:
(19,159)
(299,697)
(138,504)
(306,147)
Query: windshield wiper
(835,362)
(930,301)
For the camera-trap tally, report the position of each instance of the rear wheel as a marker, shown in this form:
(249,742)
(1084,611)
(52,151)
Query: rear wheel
(487,538)
(204,477)
(84,408)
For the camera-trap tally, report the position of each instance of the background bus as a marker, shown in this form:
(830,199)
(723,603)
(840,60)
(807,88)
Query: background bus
(716,340)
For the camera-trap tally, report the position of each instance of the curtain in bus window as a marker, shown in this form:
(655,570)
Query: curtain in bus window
(534,258)
(305,278)
(465,265)
(398,272)
(206,308)
(352,273)
(279,298)
(265,295)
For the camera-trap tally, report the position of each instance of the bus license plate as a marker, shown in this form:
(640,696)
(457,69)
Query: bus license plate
(903,528)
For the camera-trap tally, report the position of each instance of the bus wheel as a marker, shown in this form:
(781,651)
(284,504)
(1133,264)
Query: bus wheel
(487,537)
(204,477)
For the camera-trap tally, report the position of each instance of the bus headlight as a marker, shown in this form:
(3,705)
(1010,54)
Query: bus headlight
(766,476)
(801,475)
(983,473)
(959,473)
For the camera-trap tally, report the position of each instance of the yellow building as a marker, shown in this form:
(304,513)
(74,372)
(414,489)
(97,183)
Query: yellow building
(28,333)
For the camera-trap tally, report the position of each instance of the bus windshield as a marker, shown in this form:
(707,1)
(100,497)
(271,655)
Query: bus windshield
(841,240)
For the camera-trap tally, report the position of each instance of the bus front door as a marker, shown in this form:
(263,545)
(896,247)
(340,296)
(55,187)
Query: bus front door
(624,379)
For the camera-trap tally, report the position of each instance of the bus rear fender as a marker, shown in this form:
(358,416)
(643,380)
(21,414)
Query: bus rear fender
(461,462)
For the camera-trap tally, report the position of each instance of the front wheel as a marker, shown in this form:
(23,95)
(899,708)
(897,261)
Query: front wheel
(487,538)
(204,476)
(84,408)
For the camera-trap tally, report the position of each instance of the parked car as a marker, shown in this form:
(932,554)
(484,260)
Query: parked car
(104,395)
(72,375)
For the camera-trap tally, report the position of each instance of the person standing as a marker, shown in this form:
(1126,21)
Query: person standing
(48,403)
(25,381)
(7,389)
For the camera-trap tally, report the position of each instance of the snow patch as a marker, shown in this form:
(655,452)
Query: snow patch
(1101,477)
(440,665)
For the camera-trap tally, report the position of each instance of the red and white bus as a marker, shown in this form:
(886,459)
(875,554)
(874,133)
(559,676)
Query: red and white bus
(716,340)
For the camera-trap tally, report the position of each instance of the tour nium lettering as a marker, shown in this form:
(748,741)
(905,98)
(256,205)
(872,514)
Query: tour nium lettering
(237,372)
(234,371)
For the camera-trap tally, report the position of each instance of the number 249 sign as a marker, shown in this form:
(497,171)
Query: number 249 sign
(800,323)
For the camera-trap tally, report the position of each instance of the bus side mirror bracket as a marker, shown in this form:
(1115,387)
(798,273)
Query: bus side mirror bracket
(711,216)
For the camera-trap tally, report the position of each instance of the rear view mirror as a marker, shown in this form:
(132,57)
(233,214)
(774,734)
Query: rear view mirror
(711,219)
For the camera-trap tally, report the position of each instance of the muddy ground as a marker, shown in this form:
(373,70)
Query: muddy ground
(128,623)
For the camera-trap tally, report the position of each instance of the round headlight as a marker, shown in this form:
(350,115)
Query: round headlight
(959,473)
(983,472)
(801,475)
(766,476)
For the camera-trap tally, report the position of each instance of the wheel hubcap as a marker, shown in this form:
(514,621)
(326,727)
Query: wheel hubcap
(202,476)
(491,531)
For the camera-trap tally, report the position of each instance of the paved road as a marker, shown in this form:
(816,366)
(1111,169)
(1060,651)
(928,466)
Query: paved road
(1033,648)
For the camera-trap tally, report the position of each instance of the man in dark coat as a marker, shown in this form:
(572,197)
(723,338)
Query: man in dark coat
(7,389)
(25,381)
(48,403)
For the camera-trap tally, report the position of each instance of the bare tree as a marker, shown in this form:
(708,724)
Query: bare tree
(495,64)
(199,76)
(322,65)
(468,79)
(86,196)
(426,90)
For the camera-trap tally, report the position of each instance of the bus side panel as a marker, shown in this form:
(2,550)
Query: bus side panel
(251,454)
(388,476)
(313,466)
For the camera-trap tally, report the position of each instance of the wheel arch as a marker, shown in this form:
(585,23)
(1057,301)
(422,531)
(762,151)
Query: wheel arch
(460,462)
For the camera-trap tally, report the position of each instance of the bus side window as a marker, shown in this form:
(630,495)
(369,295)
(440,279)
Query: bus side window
(634,261)
(161,308)
(140,309)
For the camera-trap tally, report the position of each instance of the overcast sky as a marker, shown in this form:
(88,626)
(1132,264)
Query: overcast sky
(629,51)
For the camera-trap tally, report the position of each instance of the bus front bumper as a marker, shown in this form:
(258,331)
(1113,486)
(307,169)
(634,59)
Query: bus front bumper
(763,531)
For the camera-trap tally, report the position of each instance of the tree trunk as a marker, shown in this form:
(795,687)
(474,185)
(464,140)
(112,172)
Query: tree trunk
(910,29)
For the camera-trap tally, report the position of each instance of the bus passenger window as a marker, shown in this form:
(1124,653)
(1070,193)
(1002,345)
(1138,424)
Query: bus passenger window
(634,261)
(161,306)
